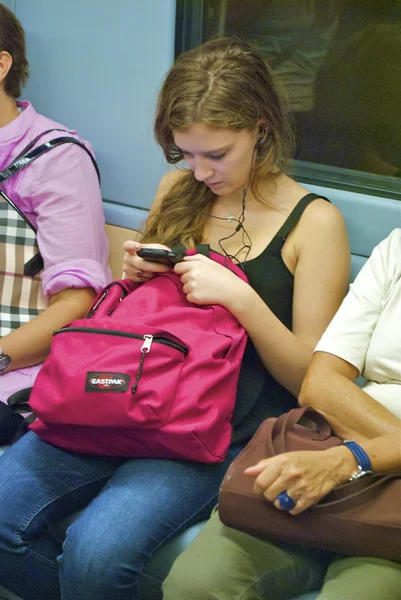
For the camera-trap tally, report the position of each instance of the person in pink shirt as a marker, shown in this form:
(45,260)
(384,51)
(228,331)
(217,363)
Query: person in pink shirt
(60,195)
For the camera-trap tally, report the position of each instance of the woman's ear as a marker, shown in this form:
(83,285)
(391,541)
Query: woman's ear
(262,132)
(6,62)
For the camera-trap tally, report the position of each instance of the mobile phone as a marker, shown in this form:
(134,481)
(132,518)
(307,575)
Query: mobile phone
(160,256)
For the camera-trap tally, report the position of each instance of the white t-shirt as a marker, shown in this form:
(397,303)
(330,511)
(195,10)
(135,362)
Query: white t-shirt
(366,331)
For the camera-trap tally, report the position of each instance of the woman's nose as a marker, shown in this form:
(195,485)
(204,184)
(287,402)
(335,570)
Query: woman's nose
(202,172)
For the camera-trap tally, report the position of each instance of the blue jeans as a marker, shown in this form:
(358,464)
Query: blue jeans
(132,507)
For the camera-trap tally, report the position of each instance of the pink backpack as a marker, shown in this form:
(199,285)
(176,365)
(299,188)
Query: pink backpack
(145,374)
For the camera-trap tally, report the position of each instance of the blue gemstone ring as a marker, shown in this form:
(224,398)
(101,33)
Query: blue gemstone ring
(285,501)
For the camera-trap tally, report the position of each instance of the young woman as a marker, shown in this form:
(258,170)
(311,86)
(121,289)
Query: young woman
(219,111)
(59,194)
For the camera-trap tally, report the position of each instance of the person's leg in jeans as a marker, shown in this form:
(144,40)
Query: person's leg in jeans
(40,484)
(361,578)
(226,564)
(145,503)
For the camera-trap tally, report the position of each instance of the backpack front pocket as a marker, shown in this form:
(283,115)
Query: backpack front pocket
(103,377)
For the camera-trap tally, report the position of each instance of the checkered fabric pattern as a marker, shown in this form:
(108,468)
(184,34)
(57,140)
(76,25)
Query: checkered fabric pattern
(21,296)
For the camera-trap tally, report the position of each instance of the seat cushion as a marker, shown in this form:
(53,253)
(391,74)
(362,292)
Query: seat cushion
(158,567)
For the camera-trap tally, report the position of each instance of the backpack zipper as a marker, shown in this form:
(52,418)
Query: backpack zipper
(94,308)
(145,348)
(160,339)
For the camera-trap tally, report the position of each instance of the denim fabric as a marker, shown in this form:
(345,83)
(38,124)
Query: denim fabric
(134,506)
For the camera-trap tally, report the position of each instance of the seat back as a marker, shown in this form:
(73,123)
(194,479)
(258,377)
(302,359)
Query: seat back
(369,220)
(117,236)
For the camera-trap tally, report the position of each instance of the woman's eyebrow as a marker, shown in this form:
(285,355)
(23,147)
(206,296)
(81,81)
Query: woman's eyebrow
(215,151)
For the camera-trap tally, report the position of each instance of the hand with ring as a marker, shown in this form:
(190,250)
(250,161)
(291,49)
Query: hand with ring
(136,268)
(294,481)
(285,501)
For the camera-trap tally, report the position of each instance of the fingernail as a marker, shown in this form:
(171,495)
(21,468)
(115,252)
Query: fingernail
(137,246)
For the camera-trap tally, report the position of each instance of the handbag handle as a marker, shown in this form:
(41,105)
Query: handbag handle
(287,422)
(354,494)
(24,159)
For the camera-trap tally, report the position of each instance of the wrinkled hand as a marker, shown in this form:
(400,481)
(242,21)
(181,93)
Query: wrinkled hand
(135,267)
(306,476)
(207,282)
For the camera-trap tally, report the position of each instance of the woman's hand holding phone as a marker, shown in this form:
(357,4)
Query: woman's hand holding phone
(155,259)
(160,256)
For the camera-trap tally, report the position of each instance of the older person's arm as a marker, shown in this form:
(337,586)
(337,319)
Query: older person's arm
(385,452)
(363,338)
(330,389)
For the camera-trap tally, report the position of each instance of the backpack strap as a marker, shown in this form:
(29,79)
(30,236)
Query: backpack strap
(200,249)
(19,400)
(217,257)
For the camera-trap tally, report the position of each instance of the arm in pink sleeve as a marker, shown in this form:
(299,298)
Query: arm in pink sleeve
(64,193)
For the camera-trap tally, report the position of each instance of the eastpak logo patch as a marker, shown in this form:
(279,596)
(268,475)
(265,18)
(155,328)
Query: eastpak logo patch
(98,381)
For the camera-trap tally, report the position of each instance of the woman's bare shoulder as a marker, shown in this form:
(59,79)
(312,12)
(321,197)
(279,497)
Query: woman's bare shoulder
(321,221)
(322,226)
(320,212)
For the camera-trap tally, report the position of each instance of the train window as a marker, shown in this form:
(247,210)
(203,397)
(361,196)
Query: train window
(339,63)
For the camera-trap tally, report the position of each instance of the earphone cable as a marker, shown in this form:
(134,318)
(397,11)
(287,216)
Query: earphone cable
(246,238)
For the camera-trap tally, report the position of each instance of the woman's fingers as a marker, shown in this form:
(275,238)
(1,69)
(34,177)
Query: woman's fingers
(136,268)
(131,247)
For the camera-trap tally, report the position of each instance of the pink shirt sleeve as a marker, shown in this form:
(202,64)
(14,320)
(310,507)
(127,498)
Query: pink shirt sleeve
(62,191)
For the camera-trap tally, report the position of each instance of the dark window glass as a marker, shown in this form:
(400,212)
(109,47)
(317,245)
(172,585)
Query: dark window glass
(339,63)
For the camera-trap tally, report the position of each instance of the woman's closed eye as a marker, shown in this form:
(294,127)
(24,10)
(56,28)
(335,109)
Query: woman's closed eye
(188,155)
(216,156)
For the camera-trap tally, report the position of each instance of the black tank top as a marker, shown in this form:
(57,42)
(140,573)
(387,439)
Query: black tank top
(259,395)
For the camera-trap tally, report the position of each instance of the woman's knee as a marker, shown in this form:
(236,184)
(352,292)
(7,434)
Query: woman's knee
(226,564)
(213,567)
(362,578)
(197,580)
(96,559)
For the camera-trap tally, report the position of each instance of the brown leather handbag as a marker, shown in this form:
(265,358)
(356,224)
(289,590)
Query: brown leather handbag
(361,518)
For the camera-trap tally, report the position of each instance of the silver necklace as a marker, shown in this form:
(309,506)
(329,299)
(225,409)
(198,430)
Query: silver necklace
(230,217)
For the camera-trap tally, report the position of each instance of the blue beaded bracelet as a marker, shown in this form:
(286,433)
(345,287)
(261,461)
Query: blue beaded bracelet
(360,455)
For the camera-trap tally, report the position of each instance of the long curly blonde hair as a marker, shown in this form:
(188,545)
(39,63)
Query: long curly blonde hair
(222,83)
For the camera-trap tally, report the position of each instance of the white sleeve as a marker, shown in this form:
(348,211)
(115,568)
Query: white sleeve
(349,333)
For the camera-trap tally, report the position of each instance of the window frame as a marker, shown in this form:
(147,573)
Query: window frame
(189,32)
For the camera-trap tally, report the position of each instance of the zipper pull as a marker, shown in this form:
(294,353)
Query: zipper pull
(95,307)
(123,295)
(147,343)
(145,349)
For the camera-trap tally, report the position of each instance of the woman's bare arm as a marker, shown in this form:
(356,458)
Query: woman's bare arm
(329,388)
(320,282)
